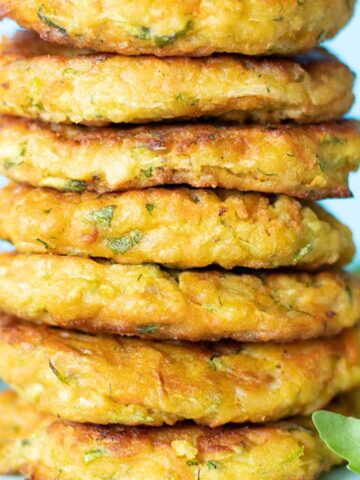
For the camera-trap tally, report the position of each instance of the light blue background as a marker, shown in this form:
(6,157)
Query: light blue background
(346,45)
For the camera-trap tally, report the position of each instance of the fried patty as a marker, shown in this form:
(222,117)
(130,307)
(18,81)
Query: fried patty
(111,379)
(283,451)
(190,27)
(39,81)
(302,161)
(178,227)
(146,301)
(18,419)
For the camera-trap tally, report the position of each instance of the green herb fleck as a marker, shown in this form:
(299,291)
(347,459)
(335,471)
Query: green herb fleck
(301,78)
(11,164)
(49,22)
(147,172)
(63,378)
(46,245)
(47,211)
(104,216)
(180,97)
(22,149)
(138,31)
(209,308)
(278,19)
(186,97)
(143,33)
(266,173)
(36,104)
(165,40)
(217,364)
(147,329)
(123,244)
(149,207)
(329,139)
(321,34)
(341,435)
(212,465)
(349,292)
(192,462)
(301,2)
(303,252)
(92,455)
(71,72)
(77,186)
(321,162)
(212,363)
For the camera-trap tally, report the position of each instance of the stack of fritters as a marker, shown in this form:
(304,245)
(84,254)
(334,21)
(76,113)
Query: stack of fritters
(135,242)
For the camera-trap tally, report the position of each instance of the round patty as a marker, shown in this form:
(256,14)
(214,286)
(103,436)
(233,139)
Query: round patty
(178,227)
(144,300)
(283,451)
(104,379)
(39,80)
(301,161)
(18,420)
(183,27)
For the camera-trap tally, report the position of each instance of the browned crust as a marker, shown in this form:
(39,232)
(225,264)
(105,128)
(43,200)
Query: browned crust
(160,135)
(182,450)
(25,44)
(193,305)
(306,149)
(305,27)
(320,87)
(174,381)
(185,229)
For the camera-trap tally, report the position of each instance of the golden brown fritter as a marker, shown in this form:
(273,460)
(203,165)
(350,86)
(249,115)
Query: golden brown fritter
(179,227)
(302,161)
(18,419)
(67,86)
(284,451)
(184,27)
(104,379)
(144,300)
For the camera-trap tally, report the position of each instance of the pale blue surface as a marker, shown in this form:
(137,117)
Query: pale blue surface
(346,46)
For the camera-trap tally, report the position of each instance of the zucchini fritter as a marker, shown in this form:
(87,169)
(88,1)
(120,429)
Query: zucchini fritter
(41,82)
(179,227)
(284,451)
(18,420)
(144,300)
(301,161)
(110,379)
(183,27)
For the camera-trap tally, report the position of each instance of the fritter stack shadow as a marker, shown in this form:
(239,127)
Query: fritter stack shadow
(178,271)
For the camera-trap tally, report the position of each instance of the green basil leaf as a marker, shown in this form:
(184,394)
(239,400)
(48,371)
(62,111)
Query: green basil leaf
(341,435)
